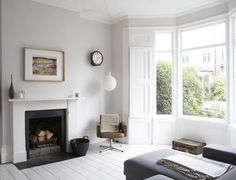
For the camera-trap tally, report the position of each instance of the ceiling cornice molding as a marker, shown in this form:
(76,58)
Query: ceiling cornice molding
(119,19)
(57,4)
(232,12)
(201,7)
(92,17)
(214,19)
(183,13)
(151,16)
(112,20)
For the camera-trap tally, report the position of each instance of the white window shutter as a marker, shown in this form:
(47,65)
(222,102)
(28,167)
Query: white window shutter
(141,95)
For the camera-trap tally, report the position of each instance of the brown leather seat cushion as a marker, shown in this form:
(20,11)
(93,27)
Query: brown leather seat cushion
(112,135)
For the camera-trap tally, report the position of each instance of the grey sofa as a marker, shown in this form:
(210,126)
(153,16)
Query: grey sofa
(159,177)
(144,166)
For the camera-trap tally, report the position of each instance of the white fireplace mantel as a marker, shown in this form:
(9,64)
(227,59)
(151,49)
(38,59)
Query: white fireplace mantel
(42,99)
(17,114)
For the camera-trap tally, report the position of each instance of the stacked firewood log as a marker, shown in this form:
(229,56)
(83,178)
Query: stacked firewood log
(40,135)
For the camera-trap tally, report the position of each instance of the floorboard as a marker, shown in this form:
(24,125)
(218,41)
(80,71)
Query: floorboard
(93,166)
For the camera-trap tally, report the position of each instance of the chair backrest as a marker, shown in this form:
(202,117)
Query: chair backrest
(109,122)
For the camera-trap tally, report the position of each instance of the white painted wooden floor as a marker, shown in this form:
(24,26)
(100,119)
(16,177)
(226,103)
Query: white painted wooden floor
(93,166)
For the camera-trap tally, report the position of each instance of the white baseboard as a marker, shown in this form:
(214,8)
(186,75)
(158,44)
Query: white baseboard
(19,157)
(6,155)
(6,151)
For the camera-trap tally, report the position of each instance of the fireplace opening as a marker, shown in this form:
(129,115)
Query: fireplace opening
(45,132)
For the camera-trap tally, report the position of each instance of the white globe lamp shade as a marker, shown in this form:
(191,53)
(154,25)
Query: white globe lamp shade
(109,82)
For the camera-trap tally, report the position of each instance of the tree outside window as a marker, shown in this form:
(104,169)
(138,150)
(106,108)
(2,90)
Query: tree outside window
(203,58)
(163,56)
(204,82)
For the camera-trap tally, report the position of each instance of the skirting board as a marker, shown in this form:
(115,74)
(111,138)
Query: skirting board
(19,157)
(6,154)
(6,151)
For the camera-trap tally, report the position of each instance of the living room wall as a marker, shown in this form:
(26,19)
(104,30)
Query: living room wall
(1,133)
(29,24)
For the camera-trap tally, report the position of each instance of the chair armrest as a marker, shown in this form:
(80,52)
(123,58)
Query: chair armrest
(123,128)
(220,153)
(98,130)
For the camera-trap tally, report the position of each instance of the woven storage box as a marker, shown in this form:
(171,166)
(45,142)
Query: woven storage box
(186,145)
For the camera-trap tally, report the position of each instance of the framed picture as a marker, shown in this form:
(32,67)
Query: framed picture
(44,65)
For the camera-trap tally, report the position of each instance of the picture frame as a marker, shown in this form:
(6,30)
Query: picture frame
(44,65)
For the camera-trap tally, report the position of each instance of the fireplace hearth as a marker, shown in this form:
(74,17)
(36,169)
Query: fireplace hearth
(45,132)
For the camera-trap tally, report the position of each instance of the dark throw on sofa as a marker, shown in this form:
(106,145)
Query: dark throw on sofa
(145,166)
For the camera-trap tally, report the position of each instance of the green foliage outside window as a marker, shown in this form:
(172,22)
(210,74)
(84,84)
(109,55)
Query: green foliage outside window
(217,88)
(193,93)
(163,85)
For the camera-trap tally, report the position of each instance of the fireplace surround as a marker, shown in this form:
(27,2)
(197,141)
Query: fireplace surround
(53,121)
(17,151)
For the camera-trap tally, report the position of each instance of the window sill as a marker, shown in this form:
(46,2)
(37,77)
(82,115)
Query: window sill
(232,126)
(164,118)
(190,119)
(197,119)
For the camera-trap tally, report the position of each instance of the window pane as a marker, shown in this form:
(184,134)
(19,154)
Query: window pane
(163,42)
(163,57)
(204,82)
(209,35)
(163,83)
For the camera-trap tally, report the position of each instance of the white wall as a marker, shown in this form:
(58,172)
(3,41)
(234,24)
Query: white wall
(202,130)
(29,24)
(232,135)
(117,66)
(1,129)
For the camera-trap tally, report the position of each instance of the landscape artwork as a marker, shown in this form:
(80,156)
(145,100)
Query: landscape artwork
(44,66)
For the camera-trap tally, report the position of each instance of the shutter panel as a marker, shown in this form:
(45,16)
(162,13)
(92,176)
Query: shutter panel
(141,95)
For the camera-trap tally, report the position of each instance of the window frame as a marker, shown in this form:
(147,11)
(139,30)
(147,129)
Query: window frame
(232,58)
(194,26)
(168,117)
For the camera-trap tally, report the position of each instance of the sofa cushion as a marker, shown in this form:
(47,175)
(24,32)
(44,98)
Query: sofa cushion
(231,175)
(220,153)
(159,177)
(144,166)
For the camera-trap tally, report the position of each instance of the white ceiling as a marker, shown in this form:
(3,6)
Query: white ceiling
(113,10)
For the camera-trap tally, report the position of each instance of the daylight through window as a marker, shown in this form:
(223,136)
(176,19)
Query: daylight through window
(203,59)
(163,59)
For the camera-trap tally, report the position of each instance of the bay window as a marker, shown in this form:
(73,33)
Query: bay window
(203,69)
(182,74)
